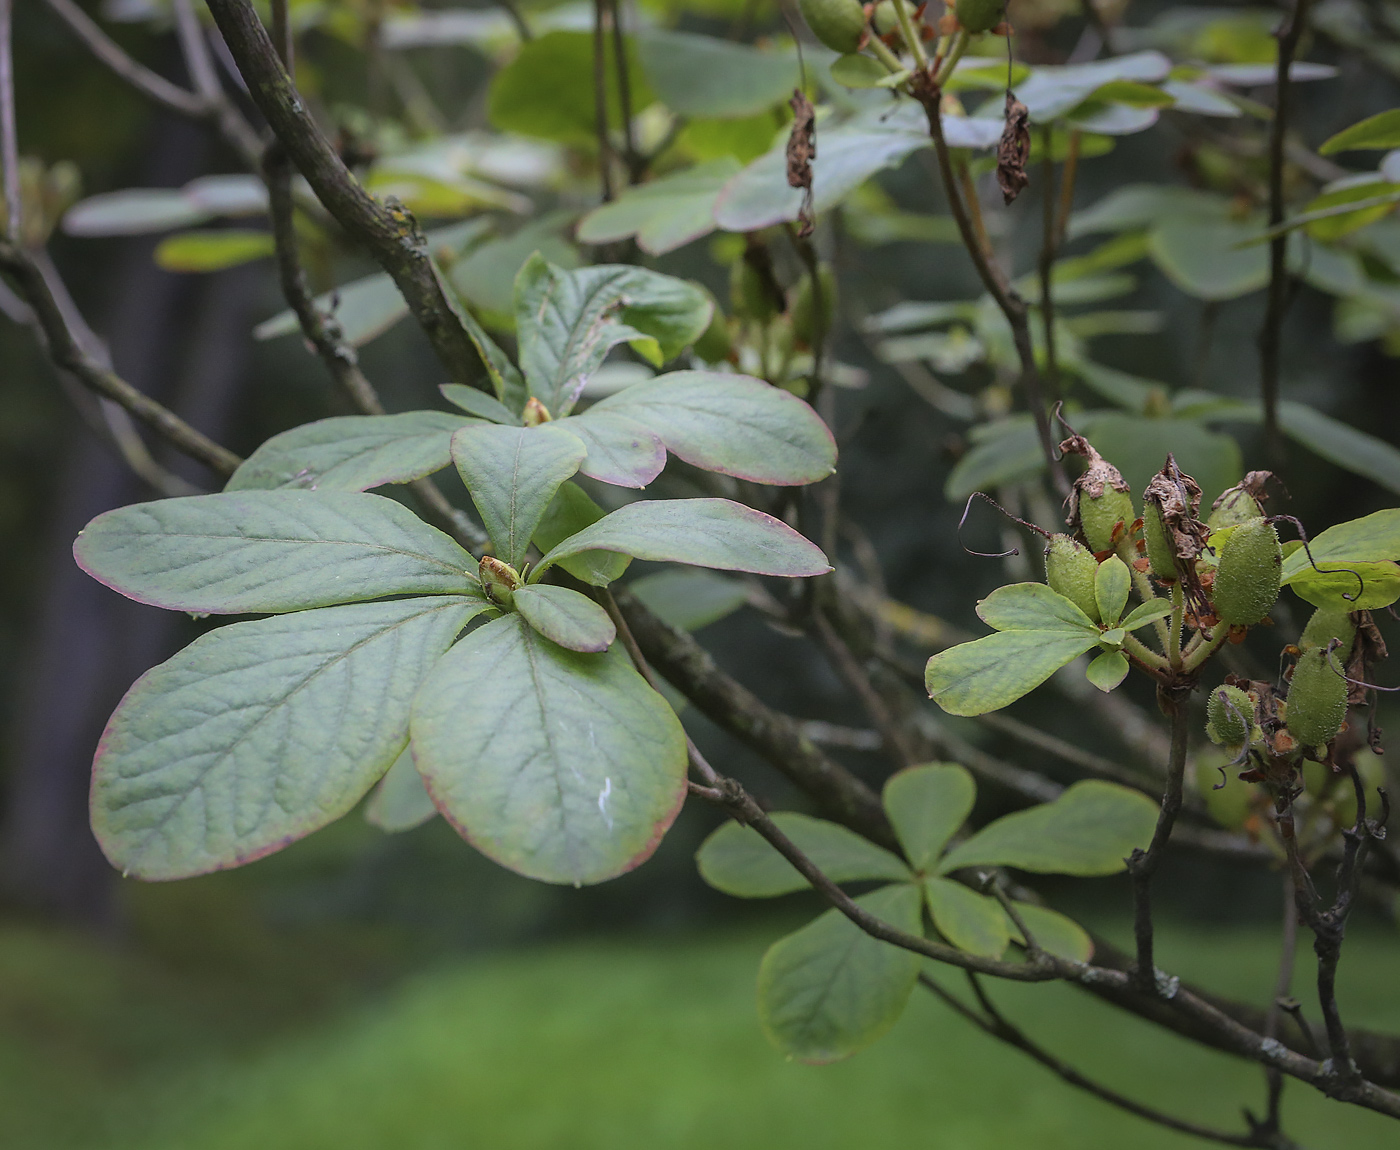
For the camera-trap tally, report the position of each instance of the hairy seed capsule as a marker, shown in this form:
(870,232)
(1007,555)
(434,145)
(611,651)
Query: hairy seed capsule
(1070,568)
(1100,516)
(1229,717)
(1327,624)
(1229,805)
(1159,549)
(1247,576)
(839,24)
(886,19)
(1238,504)
(1317,700)
(980,15)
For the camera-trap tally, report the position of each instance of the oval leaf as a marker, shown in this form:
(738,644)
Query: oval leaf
(690,598)
(1108,670)
(1372,538)
(261,732)
(364,309)
(213,251)
(570,512)
(400,802)
(1088,830)
(1378,132)
(970,921)
(563,767)
(620,450)
(565,617)
(1033,607)
(1053,932)
(926,805)
(1112,582)
(1360,587)
(990,673)
(351,453)
(256,551)
(702,532)
(476,402)
(830,989)
(738,860)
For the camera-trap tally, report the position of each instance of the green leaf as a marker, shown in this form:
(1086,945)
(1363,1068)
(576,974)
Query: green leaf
(737,860)
(485,277)
(400,802)
(1373,538)
(620,450)
(1051,92)
(733,424)
(970,921)
(993,672)
(476,402)
(702,532)
(563,767)
(512,474)
(689,597)
(1112,582)
(1202,256)
(1107,671)
(213,251)
(1379,586)
(568,321)
(363,309)
(261,732)
(351,453)
(1145,613)
(1343,210)
(565,617)
(926,804)
(1088,830)
(568,513)
(856,70)
(256,551)
(1033,607)
(1138,446)
(506,380)
(1342,444)
(830,989)
(1053,932)
(134,211)
(1377,132)
(702,76)
(664,214)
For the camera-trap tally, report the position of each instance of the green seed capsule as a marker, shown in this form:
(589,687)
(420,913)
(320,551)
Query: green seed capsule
(1229,717)
(804,311)
(1070,568)
(1247,576)
(1317,700)
(980,15)
(1241,503)
(1325,625)
(1159,548)
(1100,517)
(839,24)
(886,19)
(1230,805)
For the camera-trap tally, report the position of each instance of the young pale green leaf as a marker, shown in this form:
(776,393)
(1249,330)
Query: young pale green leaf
(570,511)
(702,532)
(1033,607)
(261,732)
(970,921)
(476,402)
(1088,830)
(400,802)
(1107,670)
(732,424)
(563,767)
(926,804)
(738,860)
(270,551)
(1145,613)
(830,989)
(565,617)
(620,450)
(505,378)
(690,597)
(1377,132)
(993,672)
(134,211)
(1112,582)
(1358,587)
(351,453)
(213,251)
(663,214)
(1371,539)
(568,320)
(512,474)
(706,77)
(1053,932)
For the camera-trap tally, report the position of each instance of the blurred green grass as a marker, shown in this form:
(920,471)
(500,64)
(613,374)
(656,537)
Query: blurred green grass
(620,1044)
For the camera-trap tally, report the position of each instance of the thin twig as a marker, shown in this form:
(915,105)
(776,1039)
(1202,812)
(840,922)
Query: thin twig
(635,161)
(1049,242)
(9,135)
(600,96)
(844,661)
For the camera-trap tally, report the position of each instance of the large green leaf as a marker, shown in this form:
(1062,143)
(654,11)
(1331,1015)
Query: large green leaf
(830,989)
(564,767)
(689,597)
(400,802)
(1355,587)
(707,77)
(351,453)
(1379,132)
(970,921)
(568,320)
(134,211)
(1342,444)
(1203,258)
(702,532)
(362,309)
(926,804)
(570,512)
(565,617)
(261,732)
(256,551)
(1033,607)
(1088,830)
(512,474)
(1051,92)
(738,860)
(666,213)
(1373,538)
(732,424)
(990,673)
(620,450)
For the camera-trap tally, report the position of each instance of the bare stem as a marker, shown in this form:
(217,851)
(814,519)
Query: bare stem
(600,96)
(9,135)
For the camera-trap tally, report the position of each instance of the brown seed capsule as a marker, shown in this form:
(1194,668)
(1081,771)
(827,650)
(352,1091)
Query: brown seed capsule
(1247,576)
(1070,568)
(839,24)
(1100,506)
(535,413)
(1317,699)
(1240,503)
(499,580)
(1229,717)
